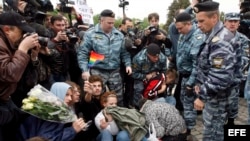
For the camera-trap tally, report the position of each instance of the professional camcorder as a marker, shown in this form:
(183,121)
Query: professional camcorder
(63,6)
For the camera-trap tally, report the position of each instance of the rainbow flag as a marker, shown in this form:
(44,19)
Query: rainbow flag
(94,57)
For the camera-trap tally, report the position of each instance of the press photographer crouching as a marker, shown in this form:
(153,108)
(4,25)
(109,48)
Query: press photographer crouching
(60,46)
(153,34)
(14,59)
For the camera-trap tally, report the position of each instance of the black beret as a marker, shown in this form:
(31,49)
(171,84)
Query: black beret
(107,13)
(183,17)
(153,49)
(206,6)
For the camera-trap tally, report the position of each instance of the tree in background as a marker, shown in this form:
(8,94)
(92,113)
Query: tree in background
(180,4)
(175,5)
(118,20)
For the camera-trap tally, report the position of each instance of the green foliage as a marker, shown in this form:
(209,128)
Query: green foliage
(96,19)
(222,16)
(176,4)
(118,22)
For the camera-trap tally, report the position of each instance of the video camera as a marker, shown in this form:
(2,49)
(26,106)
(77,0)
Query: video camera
(63,6)
(34,11)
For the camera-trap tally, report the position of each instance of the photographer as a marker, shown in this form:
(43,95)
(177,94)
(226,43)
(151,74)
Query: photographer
(60,47)
(132,44)
(153,34)
(14,59)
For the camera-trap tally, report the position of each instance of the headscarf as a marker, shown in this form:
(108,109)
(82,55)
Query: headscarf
(60,89)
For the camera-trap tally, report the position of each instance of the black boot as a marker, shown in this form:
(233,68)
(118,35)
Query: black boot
(230,121)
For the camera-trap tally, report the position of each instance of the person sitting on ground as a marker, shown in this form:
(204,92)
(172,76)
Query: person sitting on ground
(75,95)
(54,131)
(105,123)
(168,122)
(90,106)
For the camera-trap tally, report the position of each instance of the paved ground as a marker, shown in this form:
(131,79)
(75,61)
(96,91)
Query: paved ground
(240,120)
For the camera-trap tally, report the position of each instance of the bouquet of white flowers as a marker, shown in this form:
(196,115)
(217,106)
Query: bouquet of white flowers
(47,106)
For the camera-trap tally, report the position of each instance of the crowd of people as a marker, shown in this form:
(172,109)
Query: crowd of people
(118,81)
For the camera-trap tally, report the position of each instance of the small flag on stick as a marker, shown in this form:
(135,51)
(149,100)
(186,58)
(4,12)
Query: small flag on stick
(94,58)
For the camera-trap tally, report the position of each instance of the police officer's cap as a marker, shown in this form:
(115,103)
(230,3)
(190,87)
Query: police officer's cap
(107,13)
(232,16)
(183,17)
(206,6)
(153,49)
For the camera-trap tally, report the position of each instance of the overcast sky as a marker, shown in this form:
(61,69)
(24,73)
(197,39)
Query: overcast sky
(141,8)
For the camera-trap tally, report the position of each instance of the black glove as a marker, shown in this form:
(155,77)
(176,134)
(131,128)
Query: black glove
(168,43)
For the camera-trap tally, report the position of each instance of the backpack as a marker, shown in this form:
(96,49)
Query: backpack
(153,85)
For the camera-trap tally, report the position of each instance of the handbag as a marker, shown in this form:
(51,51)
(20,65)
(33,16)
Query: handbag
(152,133)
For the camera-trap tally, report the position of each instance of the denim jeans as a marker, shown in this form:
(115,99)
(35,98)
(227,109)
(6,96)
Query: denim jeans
(105,135)
(168,99)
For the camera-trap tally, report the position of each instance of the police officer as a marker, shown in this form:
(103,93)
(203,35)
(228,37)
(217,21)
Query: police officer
(104,39)
(146,64)
(232,22)
(187,49)
(215,67)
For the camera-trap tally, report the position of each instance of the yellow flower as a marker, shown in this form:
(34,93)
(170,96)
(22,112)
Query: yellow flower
(28,106)
(32,99)
(26,100)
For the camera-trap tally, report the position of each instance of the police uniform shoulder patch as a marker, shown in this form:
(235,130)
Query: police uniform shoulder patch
(217,62)
(215,39)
